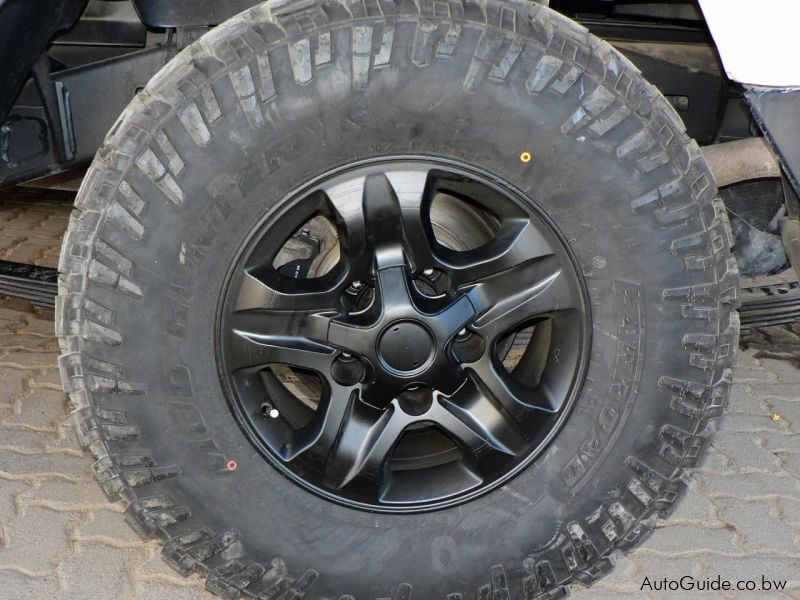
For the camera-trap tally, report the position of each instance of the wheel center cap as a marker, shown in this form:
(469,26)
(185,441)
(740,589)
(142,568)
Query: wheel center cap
(405,346)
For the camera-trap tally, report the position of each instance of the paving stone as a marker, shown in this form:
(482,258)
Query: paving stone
(744,595)
(786,441)
(22,439)
(788,391)
(47,377)
(109,527)
(95,567)
(62,494)
(747,359)
(66,440)
(32,251)
(10,241)
(19,308)
(758,525)
(57,464)
(695,506)
(752,423)
(26,360)
(787,410)
(37,540)
(8,325)
(41,322)
(159,589)
(43,410)
(20,342)
(790,461)
(772,567)
(743,401)
(684,538)
(621,579)
(789,509)
(656,567)
(784,371)
(758,374)
(18,586)
(9,489)
(152,565)
(751,485)
(598,593)
(744,451)
(714,460)
(12,384)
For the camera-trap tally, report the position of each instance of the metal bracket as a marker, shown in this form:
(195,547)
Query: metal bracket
(54,109)
(57,122)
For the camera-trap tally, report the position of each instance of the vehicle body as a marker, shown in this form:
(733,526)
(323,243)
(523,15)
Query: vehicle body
(749,52)
(146,89)
(720,69)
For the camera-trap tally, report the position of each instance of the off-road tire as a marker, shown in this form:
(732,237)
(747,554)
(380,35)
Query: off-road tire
(291,88)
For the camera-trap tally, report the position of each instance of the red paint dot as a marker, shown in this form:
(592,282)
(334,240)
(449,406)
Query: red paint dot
(232,465)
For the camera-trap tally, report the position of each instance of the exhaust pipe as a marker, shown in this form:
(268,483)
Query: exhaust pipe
(750,158)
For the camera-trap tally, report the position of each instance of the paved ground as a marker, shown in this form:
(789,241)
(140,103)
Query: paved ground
(61,538)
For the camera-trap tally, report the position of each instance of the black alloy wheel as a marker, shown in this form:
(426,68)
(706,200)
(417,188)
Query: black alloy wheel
(411,344)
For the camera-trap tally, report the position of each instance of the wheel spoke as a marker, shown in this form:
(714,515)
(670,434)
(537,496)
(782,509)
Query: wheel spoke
(382,390)
(514,397)
(316,440)
(345,201)
(455,317)
(260,290)
(410,186)
(382,215)
(384,222)
(558,373)
(350,337)
(279,397)
(298,344)
(364,444)
(517,241)
(477,420)
(536,288)
(392,288)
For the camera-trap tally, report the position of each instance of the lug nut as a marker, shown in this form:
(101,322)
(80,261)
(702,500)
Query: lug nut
(468,348)
(428,272)
(347,369)
(354,289)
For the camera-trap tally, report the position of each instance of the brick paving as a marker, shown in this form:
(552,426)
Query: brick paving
(61,538)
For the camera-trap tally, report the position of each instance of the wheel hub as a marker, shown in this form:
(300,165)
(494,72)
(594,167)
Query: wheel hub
(405,338)
(406,347)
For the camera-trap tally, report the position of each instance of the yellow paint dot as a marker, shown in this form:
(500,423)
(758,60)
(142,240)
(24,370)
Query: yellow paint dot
(526,157)
(776,417)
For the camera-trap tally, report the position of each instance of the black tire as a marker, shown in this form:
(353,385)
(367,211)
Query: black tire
(184,174)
